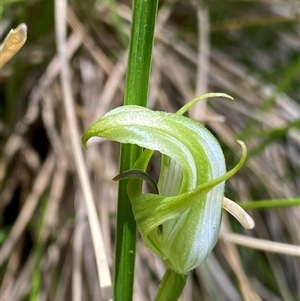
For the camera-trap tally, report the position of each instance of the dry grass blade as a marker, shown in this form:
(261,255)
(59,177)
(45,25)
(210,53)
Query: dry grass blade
(31,203)
(95,52)
(261,244)
(234,260)
(203,58)
(77,250)
(103,269)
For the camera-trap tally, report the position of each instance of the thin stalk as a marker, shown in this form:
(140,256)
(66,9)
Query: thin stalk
(171,286)
(38,252)
(137,83)
(268,204)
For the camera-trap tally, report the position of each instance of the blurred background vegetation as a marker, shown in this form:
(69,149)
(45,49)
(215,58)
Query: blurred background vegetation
(248,49)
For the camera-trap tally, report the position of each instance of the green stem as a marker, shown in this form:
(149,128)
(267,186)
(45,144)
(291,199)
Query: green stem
(268,204)
(39,246)
(137,83)
(171,286)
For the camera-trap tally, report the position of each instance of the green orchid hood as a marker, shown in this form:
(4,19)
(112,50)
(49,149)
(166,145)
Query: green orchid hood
(180,224)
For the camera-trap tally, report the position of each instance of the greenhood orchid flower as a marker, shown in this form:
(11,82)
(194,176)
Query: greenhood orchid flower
(180,222)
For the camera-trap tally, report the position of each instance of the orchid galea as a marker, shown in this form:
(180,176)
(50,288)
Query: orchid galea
(180,220)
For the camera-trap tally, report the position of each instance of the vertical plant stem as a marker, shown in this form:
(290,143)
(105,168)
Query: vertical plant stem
(171,286)
(137,83)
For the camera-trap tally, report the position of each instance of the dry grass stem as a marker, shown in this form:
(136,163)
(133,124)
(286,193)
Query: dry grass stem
(261,244)
(103,269)
(31,203)
(203,59)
